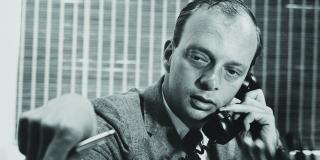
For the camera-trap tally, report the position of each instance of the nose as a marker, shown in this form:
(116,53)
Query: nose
(209,81)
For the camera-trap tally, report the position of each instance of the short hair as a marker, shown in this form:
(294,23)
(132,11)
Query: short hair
(228,7)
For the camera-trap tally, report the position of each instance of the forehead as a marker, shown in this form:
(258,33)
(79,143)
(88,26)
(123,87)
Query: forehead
(221,33)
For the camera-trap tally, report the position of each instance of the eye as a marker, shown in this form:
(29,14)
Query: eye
(232,74)
(198,58)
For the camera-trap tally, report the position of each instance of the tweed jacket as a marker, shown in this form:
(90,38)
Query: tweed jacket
(143,129)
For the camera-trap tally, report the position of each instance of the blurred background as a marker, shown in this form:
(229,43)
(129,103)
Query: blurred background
(101,47)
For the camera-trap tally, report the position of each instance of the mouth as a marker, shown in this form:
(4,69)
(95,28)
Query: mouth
(201,103)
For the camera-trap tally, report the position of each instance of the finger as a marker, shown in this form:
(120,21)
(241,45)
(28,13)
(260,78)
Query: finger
(247,120)
(60,145)
(236,116)
(260,119)
(255,103)
(254,149)
(257,95)
(257,150)
(46,136)
(261,150)
(261,116)
(235,101)
(247,149)
(23,135)
(252,102)
(33,139)
(242,108)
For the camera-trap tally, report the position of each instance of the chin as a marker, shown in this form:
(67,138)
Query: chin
(197,115)
(196,122)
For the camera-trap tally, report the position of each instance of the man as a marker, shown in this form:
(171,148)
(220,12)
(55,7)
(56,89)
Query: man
(214,46)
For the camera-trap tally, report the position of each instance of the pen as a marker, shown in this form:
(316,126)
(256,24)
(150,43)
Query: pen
(92,141)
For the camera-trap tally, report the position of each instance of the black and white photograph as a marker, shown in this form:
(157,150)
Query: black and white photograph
(160,80)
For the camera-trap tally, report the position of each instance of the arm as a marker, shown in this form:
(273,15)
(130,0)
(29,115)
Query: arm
(256,110)
(54,129)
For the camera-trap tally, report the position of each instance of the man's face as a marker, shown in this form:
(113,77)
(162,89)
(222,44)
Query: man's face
(209,65)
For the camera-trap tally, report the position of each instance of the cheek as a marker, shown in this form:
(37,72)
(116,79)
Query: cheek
(229,91)
(184,75)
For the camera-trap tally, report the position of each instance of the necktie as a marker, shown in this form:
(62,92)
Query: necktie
(190,142)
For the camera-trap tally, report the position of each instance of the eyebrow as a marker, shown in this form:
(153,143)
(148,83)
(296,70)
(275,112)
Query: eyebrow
(210,54)
(233,63)
(200,48)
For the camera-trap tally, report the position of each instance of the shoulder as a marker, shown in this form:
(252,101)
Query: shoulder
(122,110)
(119,104)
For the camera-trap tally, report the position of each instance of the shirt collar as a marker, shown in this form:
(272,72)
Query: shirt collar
(180,127)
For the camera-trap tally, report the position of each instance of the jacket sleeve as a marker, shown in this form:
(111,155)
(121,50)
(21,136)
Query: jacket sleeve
(113,146)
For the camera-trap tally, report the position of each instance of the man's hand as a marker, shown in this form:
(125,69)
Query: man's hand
(256,110)
(51,131)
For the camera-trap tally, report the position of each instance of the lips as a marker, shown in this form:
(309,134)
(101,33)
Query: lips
(201,103)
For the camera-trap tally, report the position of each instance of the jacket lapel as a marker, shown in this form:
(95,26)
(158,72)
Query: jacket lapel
(162,132)
(157,121)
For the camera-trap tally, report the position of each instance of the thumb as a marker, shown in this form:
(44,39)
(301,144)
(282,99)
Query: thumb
(60,147)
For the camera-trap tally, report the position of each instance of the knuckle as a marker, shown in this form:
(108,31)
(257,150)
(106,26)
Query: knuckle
(24,116)
(31,117)
(251,94)
(255,93)
(260,91)
(48,123)
(34,120)
(269,110)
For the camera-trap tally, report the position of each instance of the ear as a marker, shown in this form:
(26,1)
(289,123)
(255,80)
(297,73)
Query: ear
(168,51)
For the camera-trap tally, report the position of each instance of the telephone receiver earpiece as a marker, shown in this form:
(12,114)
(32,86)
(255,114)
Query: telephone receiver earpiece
(220,127)
(250,83)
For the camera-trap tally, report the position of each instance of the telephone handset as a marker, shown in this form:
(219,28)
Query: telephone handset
(220,126)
